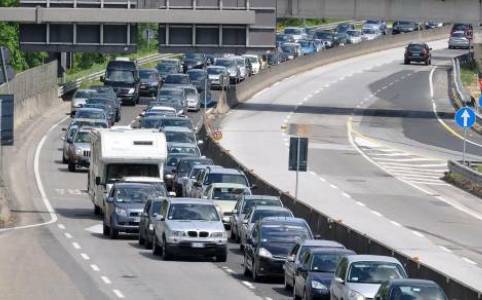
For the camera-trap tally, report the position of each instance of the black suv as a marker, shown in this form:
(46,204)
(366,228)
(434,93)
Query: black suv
(419,52)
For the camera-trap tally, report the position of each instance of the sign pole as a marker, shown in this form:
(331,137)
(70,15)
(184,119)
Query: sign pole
(465,145)
(297,166)
(4,69)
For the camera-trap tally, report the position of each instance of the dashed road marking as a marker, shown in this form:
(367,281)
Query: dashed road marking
(360,203)
(248,284)
(417,233)
(396,223)
(322,179)
(76,245)
(468,260)
(445,249)
(68,235)
(95,268)
(84,256)
(376,213)
(333,186)
(105,279)
(118,294)
(61,226)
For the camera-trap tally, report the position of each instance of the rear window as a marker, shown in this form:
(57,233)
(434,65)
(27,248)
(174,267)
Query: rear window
(261,214)
(250,203)
(416,47)
(225,178)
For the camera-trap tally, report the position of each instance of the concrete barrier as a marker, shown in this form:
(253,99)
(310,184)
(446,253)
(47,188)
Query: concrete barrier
(321,223)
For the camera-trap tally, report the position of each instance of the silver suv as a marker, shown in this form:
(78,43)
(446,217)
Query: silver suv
(189,226)
(79,149)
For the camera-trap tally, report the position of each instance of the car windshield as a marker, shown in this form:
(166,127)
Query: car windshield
(174,102)
(225,178)
(156,207)
(460,27)
(119,76)
(353,33)
(166,68)
(82,137)
(225,62)
(264,213)
(195,212)
(148,75)
(194,56)
(305,43)
(196,75)
(404,23)
(372,22)
(323,35)
(170,92)
(369,31)
(90,114)
(250,203)
(283,233)
(177,79)
(229,194)
(136,194)
(185,166)
(83,94)
(180,122)
(179,137)
(190,92)
(240,62)
(89,124)
(215,71)
(190,150)
(417,293)
(151,123)
(253,59)
(100,101)
(288,48)
(374,272)
(116,172)
(195,172)
(325,262)
(293,31)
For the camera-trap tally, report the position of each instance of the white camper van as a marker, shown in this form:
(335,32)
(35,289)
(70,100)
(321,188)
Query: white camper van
(122,152)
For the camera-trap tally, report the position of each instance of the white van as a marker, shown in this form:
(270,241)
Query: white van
(122,152)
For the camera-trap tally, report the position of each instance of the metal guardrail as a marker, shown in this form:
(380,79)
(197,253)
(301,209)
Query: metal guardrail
(467,172)
(75,84)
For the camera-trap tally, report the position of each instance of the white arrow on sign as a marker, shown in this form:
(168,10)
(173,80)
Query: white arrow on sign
(466,117)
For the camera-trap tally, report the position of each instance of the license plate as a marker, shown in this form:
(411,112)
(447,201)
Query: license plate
(137,219)
(197,245)
(416,55)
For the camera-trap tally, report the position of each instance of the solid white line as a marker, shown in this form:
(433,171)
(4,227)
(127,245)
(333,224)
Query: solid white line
(420,165)
(118,294)
(469,260)
(106,279)
(248,284)
(84,256)
(95,268)
(68,235)
(417,233)
(445,249)
(396,223)
(61,226)
(412,159)
(76,245)
(376,213)
(40,187)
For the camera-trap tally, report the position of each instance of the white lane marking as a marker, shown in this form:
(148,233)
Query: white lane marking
(230,271)
(417,233)
(268,298)
(396,223)
(469,260)
(360,203)
(410,159)
(346,195)
(118,294)
(376,213)
(68,235)
(61,226)
(105,279)
(333,186)
(40,187)
(312,173)
(248,284)
(95,268)
(322,179)
(84,256)
(76,245)
(445,249)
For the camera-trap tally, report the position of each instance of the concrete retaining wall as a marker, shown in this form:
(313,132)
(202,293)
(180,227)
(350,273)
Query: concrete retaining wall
(35,91)
(321,223)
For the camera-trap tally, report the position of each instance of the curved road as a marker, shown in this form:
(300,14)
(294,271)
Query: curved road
(380,136)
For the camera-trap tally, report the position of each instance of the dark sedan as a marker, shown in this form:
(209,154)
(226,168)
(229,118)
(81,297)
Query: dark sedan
(313,278)
(193,61)
(404,27)
(414,289)
(199,78)
(150,81)
(146,225)
(269,243)
(165,69)
(418,52)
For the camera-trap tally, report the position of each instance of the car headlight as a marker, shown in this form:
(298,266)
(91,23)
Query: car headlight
(353,295)
(151,227)
(131,91)
(318,285)
(78,151)
(264,253)
(177,233)
(218,235)
(121,212)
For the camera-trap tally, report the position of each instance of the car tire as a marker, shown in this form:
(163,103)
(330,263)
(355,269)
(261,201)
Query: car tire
(246,270)
(141,239)
(147,243)
(106,230)
(166,255)
(113,233)
(156,250)
(71,167)
(406,62)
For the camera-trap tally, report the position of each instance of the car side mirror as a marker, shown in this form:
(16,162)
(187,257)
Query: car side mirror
(339,280)
(102,79)
(109,200)
(97,180)
(159,218)
(69,140)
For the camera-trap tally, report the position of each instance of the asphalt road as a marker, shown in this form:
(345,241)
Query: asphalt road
(377,153)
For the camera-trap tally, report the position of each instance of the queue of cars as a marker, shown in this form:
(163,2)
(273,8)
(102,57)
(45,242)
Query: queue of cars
(151,179)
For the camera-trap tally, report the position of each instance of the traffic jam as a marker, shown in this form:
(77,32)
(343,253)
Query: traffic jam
(150,178)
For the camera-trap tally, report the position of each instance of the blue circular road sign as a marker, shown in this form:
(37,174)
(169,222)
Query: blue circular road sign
(465,117)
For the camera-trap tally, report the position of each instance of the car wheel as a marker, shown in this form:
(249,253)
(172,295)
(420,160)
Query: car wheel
(156,250)
(246,272)
(141,239)
(166,255)
(106,231)
(114,233)
(71,167)
(406,61)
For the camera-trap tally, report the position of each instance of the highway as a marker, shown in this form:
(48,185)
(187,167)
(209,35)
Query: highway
(377,151)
